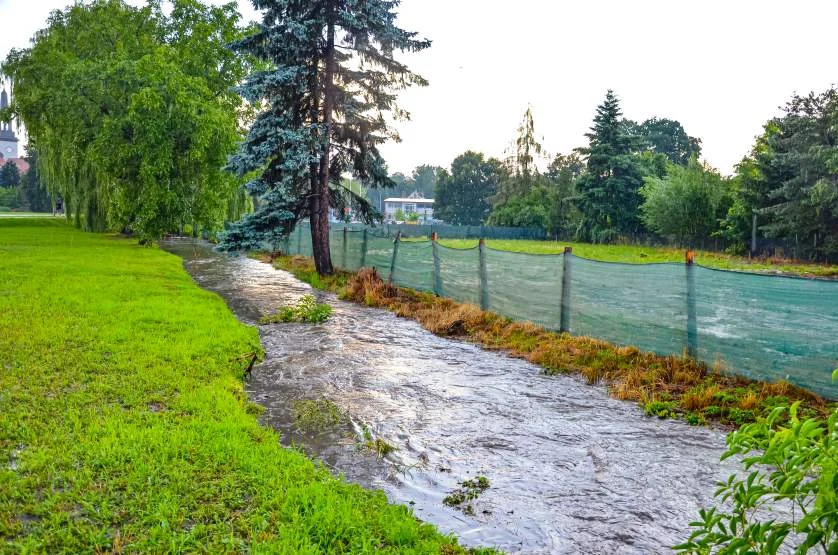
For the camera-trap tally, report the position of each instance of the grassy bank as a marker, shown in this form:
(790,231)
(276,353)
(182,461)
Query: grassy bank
(633,254)
(123,422)
(666,387)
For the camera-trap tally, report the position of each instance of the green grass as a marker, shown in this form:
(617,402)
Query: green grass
(124,426)
(644,255)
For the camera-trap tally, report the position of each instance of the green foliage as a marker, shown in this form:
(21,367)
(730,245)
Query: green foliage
(412,217)
(661,409)
(142,439)
(462,196)
(9,175)
(609,197)
(795,462)
(668,138)
(399,215)
(686,204)
(307,310)
(10,198)
(32,188)
(131,114)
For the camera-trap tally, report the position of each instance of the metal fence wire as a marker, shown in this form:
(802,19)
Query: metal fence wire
(758,326)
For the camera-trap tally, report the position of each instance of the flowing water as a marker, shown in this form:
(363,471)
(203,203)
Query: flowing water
(571,470)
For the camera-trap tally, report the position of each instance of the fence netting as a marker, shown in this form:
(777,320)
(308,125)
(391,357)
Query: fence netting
(762,327)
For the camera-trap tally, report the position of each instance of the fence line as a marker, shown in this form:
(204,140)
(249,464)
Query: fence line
(762,327)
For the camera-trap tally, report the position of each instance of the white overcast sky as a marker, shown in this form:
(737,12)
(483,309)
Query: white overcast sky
(720,67)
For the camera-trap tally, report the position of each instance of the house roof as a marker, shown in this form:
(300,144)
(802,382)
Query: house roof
(22,165)
(413,200)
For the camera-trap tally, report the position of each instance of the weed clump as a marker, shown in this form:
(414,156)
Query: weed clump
(375,444)
(316,415)
(307,310)
(468,492)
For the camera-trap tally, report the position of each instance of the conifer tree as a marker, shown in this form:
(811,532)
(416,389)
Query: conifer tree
(609,196)
(331,80)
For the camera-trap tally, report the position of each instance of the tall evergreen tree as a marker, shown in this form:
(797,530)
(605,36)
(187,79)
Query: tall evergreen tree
(324,98)
(608,192)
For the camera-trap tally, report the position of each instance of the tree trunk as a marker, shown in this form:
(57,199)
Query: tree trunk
(320,194)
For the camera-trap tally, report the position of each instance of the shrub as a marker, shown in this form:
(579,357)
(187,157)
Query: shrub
(794,463)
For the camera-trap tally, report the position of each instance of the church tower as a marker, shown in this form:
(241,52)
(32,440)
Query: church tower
(8,140)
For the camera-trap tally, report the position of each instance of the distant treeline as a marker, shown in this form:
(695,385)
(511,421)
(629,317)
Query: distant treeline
(645,181)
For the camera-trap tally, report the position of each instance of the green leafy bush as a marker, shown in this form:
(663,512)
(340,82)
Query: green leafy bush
(307,310)
(661,409)
(793,461)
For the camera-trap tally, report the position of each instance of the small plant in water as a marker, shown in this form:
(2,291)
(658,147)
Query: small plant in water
(316,415)
(307,310)
(469,491)
(375,444)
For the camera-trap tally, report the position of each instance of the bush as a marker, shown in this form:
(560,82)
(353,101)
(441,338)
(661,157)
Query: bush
(794,463)
(307,310)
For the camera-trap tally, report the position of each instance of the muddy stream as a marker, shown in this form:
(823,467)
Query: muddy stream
(571,470)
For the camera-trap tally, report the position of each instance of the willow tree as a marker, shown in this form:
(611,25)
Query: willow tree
(325,99)
(131,113)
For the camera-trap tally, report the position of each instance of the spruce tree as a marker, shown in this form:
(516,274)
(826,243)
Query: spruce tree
(331,78)
(608,192)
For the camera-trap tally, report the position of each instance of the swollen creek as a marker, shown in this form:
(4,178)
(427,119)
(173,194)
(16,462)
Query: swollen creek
(571,470)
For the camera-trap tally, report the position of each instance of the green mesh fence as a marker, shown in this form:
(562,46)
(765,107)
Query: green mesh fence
(414,265)
(762,327)
(525,286)
(630,304)
(460,274)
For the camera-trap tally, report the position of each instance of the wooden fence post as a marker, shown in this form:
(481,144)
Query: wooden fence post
(396,242)
(437,274)
(564,322)
(484,276)
(343,250)
(364,250)
(692,323)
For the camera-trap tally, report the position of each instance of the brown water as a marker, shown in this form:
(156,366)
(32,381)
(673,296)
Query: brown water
(571,470)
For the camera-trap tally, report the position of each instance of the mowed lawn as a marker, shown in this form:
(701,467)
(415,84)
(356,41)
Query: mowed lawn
(124,426)
(633,254)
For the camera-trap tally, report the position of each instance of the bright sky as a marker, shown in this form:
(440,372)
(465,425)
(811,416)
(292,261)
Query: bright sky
(720,67)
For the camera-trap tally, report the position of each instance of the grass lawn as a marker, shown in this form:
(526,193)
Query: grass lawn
(644,255)
(124,426)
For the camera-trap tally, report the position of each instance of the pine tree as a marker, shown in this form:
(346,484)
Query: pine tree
(521,163)
(331,80)
(608,192)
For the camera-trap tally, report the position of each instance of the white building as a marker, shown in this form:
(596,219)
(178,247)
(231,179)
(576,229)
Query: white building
(424,207)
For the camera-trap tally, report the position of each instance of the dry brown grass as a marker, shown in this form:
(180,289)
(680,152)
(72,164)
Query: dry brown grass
(688,386)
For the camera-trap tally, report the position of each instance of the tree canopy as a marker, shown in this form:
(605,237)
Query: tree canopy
(331,78)
(462,196)
(131,114)
(686,204)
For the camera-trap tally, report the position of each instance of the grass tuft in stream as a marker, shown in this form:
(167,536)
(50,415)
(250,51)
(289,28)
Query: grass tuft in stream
(307,310)
(665,386)
(316,415)
(469,491)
